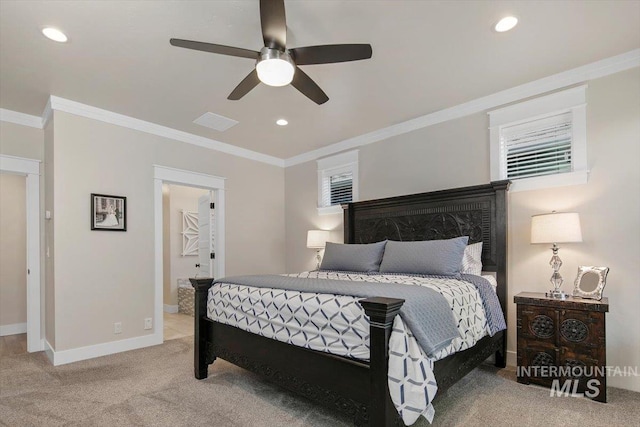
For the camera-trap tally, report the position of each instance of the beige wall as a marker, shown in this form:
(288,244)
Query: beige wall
(182,267)
(21,141)
(13,249)
(105,277)
(456,153)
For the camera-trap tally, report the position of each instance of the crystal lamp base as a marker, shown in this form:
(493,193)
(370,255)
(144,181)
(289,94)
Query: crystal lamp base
(556,279)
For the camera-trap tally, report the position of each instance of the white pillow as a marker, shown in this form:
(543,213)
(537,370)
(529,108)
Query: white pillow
(472,259)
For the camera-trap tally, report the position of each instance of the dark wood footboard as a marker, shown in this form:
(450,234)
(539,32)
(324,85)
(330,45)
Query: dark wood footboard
(356,388)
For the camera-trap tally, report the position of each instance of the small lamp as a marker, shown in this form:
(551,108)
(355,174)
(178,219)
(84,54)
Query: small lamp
(556,227)
(316,239)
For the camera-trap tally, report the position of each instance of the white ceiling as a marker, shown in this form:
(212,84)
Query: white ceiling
(427,55)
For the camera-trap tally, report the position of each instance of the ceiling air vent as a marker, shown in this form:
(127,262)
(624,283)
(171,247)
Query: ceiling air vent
(215,121)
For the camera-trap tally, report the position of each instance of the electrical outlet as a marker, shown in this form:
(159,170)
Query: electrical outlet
(117,328)
(148,323)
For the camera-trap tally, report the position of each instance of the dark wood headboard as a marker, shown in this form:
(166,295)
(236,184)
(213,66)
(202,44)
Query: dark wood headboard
(479,212)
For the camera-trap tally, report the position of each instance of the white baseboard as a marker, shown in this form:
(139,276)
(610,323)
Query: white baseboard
(48,350)
(63,357)
(13,329)
(170,308)
(512,358)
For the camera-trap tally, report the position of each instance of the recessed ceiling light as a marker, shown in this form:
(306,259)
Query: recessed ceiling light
(282,122)
(54,34)
(506,23)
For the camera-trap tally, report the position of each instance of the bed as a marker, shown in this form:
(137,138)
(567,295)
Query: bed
(351,385)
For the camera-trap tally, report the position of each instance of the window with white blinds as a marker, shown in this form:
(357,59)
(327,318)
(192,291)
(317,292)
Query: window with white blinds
(338,189)
(541,142)
(539,147)
(337,182)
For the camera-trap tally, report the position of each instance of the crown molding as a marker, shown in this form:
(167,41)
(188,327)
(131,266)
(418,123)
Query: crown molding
(23,119)
(47,114)
(79,109)
(602,68)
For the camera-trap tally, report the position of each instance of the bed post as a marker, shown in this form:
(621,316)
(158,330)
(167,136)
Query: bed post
(381,312)
(200,361)
(347,210)
(501,188)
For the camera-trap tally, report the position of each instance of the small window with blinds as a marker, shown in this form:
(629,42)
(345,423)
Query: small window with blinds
(539,147)
(338,189)
(541,142)
(337,182)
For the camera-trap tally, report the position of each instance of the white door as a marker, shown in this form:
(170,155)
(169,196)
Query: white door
(206,235)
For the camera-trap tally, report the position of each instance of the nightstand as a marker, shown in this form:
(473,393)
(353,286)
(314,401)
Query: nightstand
(561,344)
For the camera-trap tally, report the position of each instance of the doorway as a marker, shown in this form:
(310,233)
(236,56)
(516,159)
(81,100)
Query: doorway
(187,242)
(30,169)
(13,264)
(202,191)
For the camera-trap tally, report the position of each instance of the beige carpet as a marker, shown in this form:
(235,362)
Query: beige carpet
(155,387)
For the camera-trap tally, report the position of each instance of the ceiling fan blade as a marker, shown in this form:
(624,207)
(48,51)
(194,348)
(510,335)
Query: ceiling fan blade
(245,86)
(308,87)
(331,53)
(274,23)
(215,48)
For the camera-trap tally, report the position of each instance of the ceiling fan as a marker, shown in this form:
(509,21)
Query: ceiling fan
(275,64)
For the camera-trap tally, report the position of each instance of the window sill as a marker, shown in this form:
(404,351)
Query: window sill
(549,181)
(330,210)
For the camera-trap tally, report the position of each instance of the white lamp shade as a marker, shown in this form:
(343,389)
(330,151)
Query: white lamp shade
(560,227)
(316,239)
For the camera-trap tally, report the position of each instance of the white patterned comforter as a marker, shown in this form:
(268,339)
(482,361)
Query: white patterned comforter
(337,324)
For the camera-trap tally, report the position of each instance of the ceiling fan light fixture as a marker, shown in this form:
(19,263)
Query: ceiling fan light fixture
(275,68)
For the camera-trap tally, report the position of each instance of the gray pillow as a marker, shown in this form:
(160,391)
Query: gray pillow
(436,257)
(363,258)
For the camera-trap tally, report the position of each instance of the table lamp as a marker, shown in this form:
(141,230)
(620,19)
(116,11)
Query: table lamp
(556,227)
(316,239)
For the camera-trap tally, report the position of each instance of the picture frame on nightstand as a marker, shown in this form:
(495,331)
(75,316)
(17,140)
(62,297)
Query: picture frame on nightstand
(590,282)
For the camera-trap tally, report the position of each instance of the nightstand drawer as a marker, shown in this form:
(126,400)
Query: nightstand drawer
(539,323)
(581,328)
(588,371)
(534,361)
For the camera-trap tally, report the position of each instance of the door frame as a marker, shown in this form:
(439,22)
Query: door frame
(168,175)
(31,169)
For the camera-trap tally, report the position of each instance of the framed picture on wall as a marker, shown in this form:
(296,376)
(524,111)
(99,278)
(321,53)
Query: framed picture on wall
(108,212)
